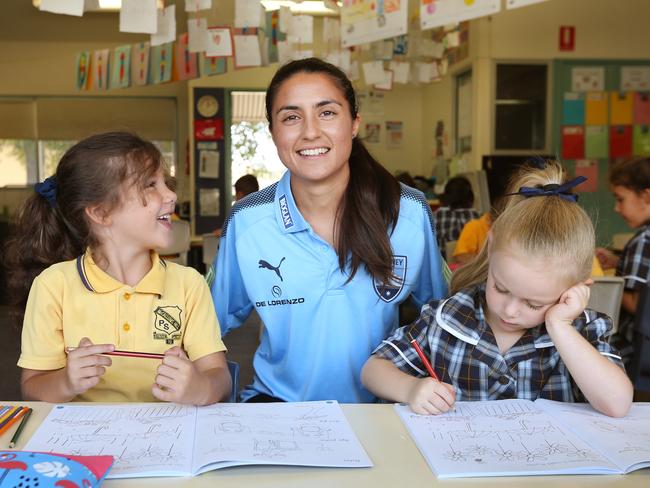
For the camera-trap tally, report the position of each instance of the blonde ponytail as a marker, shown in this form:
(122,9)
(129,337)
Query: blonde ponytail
(540,227)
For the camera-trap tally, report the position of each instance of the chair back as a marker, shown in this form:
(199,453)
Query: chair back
(210,246)
(233,367)
(639,370)
(177,251)
(606,295)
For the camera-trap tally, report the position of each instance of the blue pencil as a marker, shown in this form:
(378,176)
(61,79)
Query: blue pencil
(4,409)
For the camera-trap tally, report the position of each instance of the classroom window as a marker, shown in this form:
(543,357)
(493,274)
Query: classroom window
(168,151)
(17,162)
(50,153)
(252,149)
(520,111)
(26,162)
(35,132)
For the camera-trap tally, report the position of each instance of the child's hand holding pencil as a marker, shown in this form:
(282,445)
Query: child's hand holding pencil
(86,365)
(429,395)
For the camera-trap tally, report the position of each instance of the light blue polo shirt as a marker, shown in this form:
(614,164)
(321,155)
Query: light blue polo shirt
(318,330)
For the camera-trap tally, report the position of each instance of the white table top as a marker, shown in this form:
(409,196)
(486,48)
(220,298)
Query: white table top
(397,463)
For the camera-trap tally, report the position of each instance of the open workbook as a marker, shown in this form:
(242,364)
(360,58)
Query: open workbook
(163,439)
(520,437)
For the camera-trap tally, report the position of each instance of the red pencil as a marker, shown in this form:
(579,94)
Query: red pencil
(129,354)
(423,358)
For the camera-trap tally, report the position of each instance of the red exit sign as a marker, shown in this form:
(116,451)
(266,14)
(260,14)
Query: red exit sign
(567,37)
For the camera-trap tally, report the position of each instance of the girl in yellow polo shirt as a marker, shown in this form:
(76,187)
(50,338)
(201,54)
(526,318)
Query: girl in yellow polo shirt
(84,270)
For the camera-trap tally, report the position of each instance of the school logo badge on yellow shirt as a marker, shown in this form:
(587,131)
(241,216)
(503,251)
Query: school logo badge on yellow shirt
(167,323)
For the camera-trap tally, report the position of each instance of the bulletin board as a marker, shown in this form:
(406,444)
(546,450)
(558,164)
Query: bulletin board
(210,144)
(596,122)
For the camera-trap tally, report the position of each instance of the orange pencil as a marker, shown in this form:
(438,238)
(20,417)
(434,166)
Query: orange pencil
(14,419)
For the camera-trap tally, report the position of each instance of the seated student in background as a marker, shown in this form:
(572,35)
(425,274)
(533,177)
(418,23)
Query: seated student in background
(516,325)
(406,178)
(85,244)
(455,212)
(472,237)
(244,185)
(630,182)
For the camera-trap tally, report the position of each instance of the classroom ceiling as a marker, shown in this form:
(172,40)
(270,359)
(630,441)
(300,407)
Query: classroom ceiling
(21,21)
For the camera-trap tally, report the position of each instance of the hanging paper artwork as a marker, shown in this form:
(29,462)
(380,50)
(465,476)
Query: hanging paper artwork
(139,16)
(161,63)
(247,48)
(364,21)
(166,26)
(83,70)
(197,32)
(218,42)
(140,63)
(185,61)
(212,66)
(196,5)
(121,67)
(274,35)
(436,13)
(100,69)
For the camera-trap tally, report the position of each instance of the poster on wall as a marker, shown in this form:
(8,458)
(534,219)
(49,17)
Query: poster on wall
(209,164)
(394,134)
(589,169)
(587,78)
(635,78)
(364,21)
(83,70)
(121,67)
(373,131)
(436,13)
(209,202)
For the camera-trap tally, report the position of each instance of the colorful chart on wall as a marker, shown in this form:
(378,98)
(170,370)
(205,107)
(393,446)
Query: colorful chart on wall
(436,13)
(365,21)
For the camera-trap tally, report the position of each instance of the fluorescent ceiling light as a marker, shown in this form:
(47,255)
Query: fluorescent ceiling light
(301,7)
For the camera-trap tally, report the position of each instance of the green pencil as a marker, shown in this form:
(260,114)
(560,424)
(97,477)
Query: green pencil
(20,428)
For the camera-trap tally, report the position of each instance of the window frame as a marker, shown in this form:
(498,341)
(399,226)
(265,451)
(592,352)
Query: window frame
(546,149)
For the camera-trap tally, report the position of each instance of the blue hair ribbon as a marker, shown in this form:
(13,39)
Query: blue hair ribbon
(47,189)
(552,189)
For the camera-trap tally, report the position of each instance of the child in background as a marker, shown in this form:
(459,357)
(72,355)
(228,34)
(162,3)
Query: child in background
(472,237)
(246,185)
(84,244)
(456,211)
(630,182)
(516,325)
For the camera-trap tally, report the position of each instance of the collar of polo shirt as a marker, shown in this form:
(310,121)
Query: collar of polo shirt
(98,281)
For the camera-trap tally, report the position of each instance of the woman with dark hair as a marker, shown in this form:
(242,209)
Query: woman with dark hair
(327,254)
